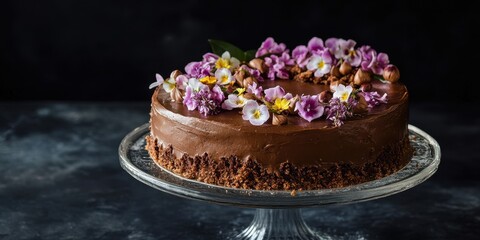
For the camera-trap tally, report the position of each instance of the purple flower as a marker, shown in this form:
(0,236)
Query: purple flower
(332,44)
(270,46)
(200,96)
(253,89)
(338,111)
(210,58)
(371,61)
(273,93)
(309,108)
(344,49)
(300,55)
(209,102)
(277,66)
(189,100)
(374,99)
(198,69)
(315,45)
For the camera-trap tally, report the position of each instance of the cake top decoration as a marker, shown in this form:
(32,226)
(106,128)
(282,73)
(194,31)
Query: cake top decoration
(230,78)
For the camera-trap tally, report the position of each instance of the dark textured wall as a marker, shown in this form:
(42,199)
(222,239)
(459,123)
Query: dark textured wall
(110,50)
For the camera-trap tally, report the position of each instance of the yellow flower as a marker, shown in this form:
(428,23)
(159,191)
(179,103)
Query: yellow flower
(222,63)
(208,80)
(240,91)
(280,104)
(227,61)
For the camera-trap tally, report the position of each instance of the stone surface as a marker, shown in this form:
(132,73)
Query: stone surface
(60,179)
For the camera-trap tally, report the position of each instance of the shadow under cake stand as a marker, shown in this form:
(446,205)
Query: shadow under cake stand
(278,212)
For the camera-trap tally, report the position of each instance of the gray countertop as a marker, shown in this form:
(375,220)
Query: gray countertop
(60,179)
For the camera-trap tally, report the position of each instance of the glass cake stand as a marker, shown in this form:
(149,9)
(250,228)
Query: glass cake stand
(278,212)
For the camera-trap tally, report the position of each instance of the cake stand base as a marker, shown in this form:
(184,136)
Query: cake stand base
(278,224)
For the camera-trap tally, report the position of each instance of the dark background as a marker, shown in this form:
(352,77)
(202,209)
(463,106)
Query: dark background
(110,50)
(59,171)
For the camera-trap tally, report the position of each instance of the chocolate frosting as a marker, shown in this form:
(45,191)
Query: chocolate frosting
(360,140)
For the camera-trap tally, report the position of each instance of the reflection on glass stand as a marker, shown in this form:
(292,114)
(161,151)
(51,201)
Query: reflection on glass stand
(278,212)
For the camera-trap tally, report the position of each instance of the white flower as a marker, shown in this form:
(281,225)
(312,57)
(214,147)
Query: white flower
(234,101)
(195,84)
(159,81)
(226,61)
(321,65)
(223,76)
(169,85)
(342,92)
(256,114)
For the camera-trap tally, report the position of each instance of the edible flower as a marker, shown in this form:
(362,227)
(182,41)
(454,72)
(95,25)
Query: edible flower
(234,101)
(280,105)
(345,49)
(371,61)
(321,64)
(277,66)
(254,113)
(339,111)
(210,80)
(309,108)
(255,90)
(341,92)
(315,45)
(269,46)
(223,76)
(226,61)
(273,93)
(158,82)
(374,99)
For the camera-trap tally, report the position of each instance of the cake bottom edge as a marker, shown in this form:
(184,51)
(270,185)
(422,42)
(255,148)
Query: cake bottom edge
(249,174)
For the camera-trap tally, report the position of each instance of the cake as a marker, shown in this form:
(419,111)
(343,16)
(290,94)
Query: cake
(325,115)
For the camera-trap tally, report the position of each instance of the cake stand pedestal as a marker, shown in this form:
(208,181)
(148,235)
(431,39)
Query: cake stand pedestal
(278,212)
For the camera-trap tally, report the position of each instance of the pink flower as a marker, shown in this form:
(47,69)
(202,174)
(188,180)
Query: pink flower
(309,108)
(300,54)
(373,62)
(277,66)
(315,45)
(269,46)
(253,89)
(273,93)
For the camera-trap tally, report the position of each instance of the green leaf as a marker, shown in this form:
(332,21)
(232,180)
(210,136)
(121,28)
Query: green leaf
(219,47)
(380,78)
(249,55)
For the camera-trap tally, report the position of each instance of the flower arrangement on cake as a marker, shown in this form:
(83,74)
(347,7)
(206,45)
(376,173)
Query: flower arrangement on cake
(230,79)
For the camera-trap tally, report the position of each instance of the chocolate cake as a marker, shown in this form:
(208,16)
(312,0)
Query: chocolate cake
(326,115)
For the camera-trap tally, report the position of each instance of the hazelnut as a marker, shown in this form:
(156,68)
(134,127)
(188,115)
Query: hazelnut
(391,73)
(362,77)
(249,96)
(248,81)
(334,71)
(257,63)
(176,95)
(279,119)
(333,85)
(362,105)
(366,87)
(345,68)
(325,96)
(175,74)
(239,76)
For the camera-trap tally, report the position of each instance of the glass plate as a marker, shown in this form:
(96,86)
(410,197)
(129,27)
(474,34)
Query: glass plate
(136,161)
